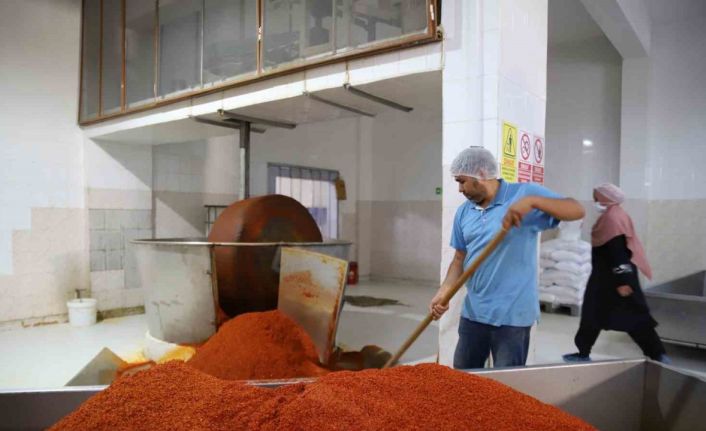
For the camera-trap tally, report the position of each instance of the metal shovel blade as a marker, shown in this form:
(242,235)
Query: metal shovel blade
(311,288)
(368,357)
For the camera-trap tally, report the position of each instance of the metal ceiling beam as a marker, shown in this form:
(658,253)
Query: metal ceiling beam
(225,123)
(254,120)
(377,99)
(239,123)
(337,105)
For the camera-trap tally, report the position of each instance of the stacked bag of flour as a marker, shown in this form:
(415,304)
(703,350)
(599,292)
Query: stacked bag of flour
(565,264)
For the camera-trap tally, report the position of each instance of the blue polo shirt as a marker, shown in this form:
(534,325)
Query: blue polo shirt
(503,291)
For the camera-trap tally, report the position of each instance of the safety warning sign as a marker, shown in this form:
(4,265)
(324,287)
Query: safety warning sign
(508,170)
(508,164)
(538,151)
(509,140)
(538,160)
(524,172)
(525,146)
(521,155)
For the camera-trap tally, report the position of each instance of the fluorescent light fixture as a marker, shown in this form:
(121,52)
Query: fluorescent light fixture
(587,143)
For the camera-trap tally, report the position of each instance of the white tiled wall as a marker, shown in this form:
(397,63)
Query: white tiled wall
(190,175)
(210,166)
(406,212)
(421,59)
(676,155)
(583,103)
(119,180)
(117,166)
(50,263)
(677,100)
(42,224)
(40,143)
(676,249)
(406,154)
(634,145)
(523,44)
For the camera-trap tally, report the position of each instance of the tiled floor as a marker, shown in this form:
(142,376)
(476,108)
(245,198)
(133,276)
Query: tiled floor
(49,356)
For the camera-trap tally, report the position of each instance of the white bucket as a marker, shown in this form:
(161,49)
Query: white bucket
(82,312)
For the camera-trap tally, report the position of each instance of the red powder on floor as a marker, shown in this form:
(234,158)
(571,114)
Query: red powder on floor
(256,346)
(175,396)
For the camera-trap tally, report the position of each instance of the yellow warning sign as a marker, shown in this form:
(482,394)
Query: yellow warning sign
(508,169)
(508,163)
(509,140)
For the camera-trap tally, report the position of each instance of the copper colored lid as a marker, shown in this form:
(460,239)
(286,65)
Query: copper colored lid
(246,278)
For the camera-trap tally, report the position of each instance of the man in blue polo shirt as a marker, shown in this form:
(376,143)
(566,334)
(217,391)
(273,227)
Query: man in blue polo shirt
(502,303)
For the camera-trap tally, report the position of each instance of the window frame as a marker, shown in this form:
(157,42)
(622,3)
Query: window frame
(373,48)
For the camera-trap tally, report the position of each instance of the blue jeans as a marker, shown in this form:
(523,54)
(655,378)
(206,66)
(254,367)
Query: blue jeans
(508,344)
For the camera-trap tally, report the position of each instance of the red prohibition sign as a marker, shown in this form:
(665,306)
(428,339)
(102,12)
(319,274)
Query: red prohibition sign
(538,151)
(525,147)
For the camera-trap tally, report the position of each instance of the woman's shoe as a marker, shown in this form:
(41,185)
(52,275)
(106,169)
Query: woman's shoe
(576,357)
(664,359)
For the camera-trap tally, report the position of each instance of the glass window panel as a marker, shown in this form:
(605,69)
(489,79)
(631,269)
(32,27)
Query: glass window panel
(324,203)
(206,42)
(319,201)
(329,193)
(296,29)
(179,45)
(296,184)
(286,185)
(313,188)
(307,191)
(112,55)
(414,16)
(230,39)
(91,58)
(360,22)
(139,55)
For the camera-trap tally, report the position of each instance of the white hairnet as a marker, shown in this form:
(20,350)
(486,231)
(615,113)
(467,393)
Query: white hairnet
(476,162)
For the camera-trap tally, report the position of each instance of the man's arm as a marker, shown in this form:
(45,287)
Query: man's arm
(566,209)
(454,272)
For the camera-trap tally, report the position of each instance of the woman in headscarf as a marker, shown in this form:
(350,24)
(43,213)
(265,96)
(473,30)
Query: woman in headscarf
(613,299)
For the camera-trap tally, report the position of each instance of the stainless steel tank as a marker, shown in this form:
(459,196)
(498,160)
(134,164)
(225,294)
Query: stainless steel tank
(180,280)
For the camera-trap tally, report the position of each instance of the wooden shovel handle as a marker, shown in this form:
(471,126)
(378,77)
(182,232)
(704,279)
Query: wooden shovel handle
(449,294)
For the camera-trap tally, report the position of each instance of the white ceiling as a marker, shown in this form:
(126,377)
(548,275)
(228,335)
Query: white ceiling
(669,11)
(419,91)
(570,22)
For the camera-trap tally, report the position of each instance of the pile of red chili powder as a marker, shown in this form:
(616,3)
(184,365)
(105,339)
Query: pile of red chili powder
(267,345)
(175,396)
